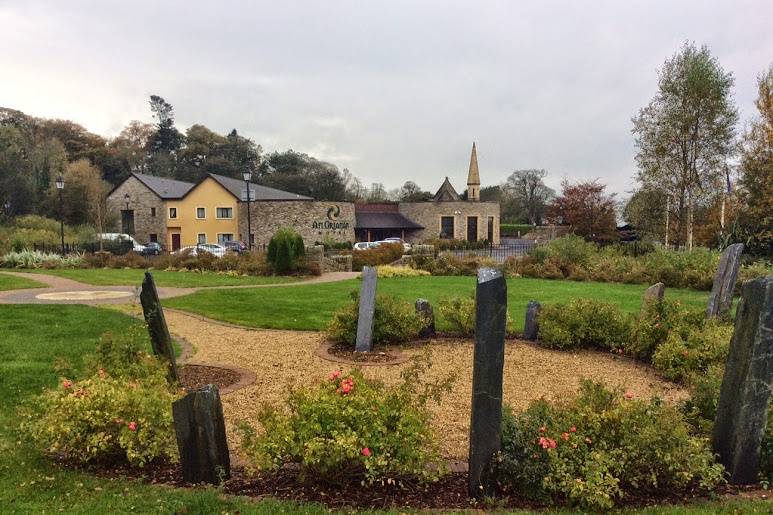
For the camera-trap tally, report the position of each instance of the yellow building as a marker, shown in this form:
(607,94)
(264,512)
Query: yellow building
(206,214)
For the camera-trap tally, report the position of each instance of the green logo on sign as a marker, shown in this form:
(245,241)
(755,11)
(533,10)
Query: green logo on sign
(333,212)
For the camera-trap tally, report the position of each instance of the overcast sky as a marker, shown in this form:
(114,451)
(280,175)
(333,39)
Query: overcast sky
(392,90)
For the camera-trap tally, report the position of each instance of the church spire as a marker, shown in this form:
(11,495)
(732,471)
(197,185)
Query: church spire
(473,177)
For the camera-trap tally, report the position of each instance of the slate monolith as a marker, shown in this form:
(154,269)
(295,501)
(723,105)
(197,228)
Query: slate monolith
(201,440)
(746,386)
(488,364)
(531,324)
(160,340)
(364,341)
(724,281)
(424,308)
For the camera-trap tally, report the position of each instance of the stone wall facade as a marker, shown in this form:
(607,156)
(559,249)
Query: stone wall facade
(143,202)
(429,215)
(313,220)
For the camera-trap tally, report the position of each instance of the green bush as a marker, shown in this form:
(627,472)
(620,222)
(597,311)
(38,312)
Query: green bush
(285,250)
(448,264)
(682,356)
(600,448)
(37,259)
(459,314)
(657,320)
(583,323)
(350,427)
(394,321)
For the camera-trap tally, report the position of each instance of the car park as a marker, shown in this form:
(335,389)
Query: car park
(203,248)
(151,249)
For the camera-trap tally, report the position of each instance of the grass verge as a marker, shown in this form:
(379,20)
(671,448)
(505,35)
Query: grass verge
(13,282)
(310,307)
(133,277)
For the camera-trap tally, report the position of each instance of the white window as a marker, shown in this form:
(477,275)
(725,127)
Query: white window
(222,238)
(224,212)
(202,238)
(172,212)
(201,213)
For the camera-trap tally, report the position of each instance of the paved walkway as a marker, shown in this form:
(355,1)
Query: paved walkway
(66,291)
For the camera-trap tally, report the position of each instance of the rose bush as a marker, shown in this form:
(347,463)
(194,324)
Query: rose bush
(347,427)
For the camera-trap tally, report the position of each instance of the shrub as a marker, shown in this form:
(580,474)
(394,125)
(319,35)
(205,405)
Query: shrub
(656,321)
(37,259)
(682,356)
(350,427)
(394,321)
(600,448)
(583,323)
(448,264)
(387,271)
(125,355)
(382,255)
(459,313)
(285,249)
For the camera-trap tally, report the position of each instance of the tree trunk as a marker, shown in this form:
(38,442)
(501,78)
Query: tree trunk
(689,219)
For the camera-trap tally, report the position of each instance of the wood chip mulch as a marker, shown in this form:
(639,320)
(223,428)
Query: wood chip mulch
(196,376)
(377,355)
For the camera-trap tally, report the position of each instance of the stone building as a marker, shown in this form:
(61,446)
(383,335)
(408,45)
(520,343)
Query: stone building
(445,216)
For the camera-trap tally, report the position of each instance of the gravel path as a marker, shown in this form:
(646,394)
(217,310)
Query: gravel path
(283,359)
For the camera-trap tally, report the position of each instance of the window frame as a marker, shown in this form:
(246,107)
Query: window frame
(201,217)
(230,209)
(220,241)
(153,212)
(175,213)
(198,238)
(453,227)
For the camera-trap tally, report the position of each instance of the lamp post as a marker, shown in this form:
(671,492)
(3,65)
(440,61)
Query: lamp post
(60,187)
(247,175)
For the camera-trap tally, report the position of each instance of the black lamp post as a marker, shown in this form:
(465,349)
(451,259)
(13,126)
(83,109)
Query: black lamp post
(60,187)
(247,175)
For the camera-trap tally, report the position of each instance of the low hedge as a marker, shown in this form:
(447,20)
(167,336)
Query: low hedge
(394,321)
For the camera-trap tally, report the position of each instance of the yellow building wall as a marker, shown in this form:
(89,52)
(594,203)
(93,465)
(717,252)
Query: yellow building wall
(210,195)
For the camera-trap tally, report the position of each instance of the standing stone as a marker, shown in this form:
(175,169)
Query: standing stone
(200,429)
(531,325)
(160,339)
(746,386)
(654,293)
(424,308)
(724,281)
(364,342)
(488,364)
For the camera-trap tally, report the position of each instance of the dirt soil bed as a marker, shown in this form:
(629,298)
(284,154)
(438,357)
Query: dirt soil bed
(377,355)
(282,360)
(196,376)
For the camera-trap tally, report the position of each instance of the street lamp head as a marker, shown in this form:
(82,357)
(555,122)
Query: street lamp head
(60,183)
(247,175)
(126,197)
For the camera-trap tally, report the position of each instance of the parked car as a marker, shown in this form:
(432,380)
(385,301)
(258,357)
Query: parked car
(151,249)
(365,245)
(235,246)
(406,246)
(203,248)
(117,236)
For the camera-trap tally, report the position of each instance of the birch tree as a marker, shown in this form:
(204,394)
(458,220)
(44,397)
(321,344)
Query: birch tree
(686,134)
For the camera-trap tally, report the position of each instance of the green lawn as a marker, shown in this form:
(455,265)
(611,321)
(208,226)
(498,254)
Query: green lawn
(310,307)
(133,277)
(34,337)
(12,282)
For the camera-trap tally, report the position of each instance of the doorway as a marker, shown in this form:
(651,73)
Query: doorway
(472,228)
(175,241)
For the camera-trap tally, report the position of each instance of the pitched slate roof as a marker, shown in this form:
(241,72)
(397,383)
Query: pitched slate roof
(257,192)
(163,187)
(446,193)
(384,220)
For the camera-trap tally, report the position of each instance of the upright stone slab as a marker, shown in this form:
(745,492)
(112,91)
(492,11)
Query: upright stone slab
(364,342)
(724,281)
(531,325)
(488,364)
(655,293)
(200,429)
(746,385)
(424,308)
(160,339)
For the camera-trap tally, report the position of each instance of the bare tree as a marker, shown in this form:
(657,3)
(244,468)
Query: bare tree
(529,193)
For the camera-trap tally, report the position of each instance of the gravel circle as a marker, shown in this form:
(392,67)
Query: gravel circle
(282,360)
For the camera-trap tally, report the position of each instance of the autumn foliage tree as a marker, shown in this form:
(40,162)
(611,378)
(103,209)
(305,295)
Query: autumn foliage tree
(587,208)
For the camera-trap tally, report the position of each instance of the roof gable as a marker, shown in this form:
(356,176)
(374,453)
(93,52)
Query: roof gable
(163,187)
(257,192)
(446,193)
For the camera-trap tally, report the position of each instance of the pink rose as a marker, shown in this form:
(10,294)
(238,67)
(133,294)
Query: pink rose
(573,429)
(365,452)
(565,436)
(335,375)
(66,384)
(629,395)
(132,426)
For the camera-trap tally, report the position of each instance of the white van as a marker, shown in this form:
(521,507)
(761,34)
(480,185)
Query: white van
(117,236)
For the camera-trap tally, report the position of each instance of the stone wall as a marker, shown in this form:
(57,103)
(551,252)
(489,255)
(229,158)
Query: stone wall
(142,201)
(428,214)
(313,220)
